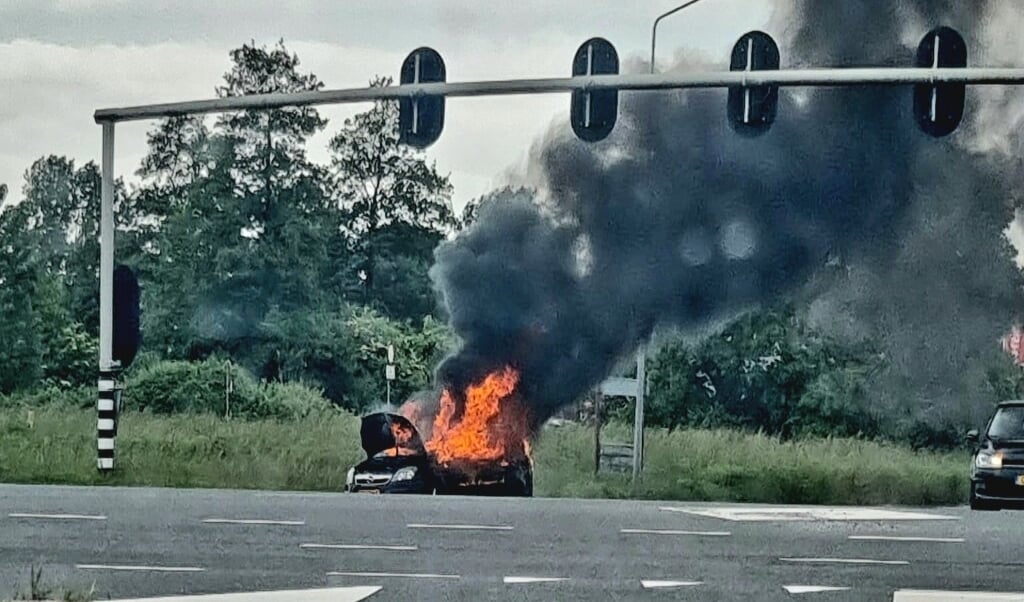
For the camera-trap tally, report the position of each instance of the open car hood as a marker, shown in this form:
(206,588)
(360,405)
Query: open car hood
(383,431)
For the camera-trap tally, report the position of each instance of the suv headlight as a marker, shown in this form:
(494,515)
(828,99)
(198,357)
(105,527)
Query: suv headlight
(350,477)
(404,474)
(989,460)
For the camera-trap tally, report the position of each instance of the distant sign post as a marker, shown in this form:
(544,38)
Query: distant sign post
(389,371)
(636,388)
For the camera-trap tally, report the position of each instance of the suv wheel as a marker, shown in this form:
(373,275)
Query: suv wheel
(979,504)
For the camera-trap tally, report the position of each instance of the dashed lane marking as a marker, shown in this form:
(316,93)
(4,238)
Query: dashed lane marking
(333,594)
(805,513)
(813,589)
(533,579)
(253,521)
(134,567)
(356,546)
(461,527)
(400,575)
(911,539)
(675,532)
(658,584)
(912,595)
(844,561)
(29,515)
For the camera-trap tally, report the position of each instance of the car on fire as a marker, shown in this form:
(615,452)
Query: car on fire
(997,464)
(398,462)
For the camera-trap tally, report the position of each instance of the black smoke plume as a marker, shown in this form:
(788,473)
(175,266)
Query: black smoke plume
(675,220)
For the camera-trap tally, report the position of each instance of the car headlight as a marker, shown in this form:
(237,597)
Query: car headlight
(404,474)
(350,477)
(989,460)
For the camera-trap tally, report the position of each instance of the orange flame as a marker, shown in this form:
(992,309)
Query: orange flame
(403,437)
(493,425)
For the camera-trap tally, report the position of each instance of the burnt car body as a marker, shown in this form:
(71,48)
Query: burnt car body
(398,462)
(997,464)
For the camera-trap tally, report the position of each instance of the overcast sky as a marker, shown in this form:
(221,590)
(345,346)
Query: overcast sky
(62,59)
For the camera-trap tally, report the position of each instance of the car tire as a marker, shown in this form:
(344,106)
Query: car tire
(979,504)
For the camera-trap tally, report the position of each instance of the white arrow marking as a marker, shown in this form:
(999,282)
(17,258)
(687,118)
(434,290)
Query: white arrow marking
(334,594)
(812,589)
(533,579)
(654,584)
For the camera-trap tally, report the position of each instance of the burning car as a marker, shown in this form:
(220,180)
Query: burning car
(478,443)
(396,461)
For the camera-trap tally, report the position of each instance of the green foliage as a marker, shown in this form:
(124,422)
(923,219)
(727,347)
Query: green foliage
(766,371)
(216,387)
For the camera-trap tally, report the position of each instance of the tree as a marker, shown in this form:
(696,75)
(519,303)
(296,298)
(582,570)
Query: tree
(20,346)
(388,191)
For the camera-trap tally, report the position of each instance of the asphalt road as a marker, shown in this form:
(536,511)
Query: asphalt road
(158,542)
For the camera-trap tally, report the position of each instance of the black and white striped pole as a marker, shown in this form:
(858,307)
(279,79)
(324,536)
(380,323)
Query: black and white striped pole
(106,408)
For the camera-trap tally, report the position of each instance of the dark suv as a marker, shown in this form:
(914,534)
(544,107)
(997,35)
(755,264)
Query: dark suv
(997,466)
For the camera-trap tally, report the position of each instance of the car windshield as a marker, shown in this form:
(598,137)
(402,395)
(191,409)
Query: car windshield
(1008,423)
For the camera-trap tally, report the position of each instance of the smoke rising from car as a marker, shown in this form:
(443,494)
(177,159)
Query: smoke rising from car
(675,220)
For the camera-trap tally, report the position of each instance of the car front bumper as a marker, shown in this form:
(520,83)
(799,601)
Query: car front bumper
(1002,485)
(416,485)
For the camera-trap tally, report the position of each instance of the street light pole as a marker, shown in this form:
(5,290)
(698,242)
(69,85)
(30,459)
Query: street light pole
(654,28)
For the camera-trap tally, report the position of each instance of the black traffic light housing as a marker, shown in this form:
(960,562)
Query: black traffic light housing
(421,118)
(939,107)
(752,109)
(127,333)
(593,114)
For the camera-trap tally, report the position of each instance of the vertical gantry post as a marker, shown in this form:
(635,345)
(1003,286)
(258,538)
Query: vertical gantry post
(638,416)
(106,404)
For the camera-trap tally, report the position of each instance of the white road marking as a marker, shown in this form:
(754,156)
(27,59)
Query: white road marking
(133,567)
(405,575)
(812,589)
(844,561)
(461,527)
(675,532)
(656,584)
(253,521)
(334,594)
(899,538)
(913,595)
(355,546)
(57,516)
(533,579)
(805,513)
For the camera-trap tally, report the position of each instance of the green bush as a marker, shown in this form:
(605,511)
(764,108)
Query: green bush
(184,387)
(200,387)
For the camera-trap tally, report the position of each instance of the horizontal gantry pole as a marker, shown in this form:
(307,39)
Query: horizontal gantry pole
(662,81)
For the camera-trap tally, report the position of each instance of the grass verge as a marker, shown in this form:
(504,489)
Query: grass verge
(314,453)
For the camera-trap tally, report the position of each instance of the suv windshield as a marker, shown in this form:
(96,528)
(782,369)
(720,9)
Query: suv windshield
(1008,423)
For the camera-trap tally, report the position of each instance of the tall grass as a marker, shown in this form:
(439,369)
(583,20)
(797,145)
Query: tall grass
(314,452)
